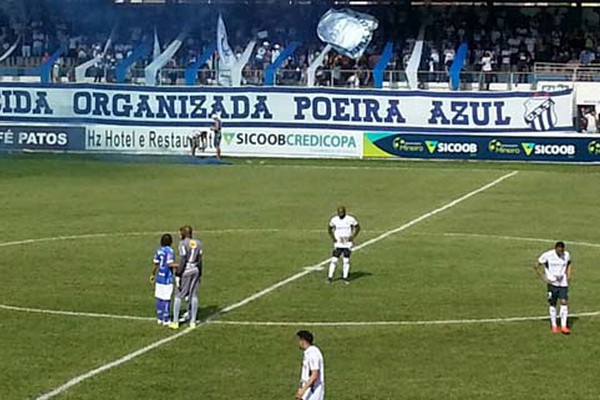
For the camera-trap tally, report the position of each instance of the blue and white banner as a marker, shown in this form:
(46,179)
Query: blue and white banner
(291,108)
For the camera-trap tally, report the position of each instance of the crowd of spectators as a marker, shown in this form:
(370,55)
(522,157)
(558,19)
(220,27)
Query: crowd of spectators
(511,40)
(505,40)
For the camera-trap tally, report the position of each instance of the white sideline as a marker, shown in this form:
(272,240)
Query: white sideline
(78,379)
(399,323)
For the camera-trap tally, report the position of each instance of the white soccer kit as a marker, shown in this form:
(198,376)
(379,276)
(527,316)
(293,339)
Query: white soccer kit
(313,361)
(555,267)
(342,231)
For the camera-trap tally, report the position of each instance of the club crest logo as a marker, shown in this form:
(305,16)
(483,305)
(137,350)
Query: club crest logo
(594,147)
(540,113)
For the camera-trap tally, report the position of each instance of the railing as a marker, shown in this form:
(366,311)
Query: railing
(393,79)
(567,72)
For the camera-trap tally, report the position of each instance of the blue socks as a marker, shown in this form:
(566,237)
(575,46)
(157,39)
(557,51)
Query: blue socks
(162,310)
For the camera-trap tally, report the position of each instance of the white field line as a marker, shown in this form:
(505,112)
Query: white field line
(350,323)
(517,238)
(375,168)
(300,323)
(112,234)
(128,357)
(319,266)
(399,323)
(74,313)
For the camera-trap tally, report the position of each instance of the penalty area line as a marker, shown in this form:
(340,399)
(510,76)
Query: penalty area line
(128,357)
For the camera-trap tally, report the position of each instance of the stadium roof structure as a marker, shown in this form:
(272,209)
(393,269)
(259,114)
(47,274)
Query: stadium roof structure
(359,3)
(280,2)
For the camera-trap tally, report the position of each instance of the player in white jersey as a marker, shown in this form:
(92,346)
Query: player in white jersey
(554,267)
(342,229)
(312,376)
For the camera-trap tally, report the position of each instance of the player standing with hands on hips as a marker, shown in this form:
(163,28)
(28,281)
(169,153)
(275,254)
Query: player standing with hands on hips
(342,229)
(554,267)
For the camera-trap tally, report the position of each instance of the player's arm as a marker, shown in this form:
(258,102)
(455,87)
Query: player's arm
(330,231)
(569,271)
(314,375)
(355,231)
(153,273)
(172,264)
(183,259)
(539,269)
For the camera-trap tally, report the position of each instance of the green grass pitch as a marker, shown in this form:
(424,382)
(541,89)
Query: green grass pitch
(263,221)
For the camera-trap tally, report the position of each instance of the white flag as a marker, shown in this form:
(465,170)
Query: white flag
(349,32)
(226,56)
(156,52)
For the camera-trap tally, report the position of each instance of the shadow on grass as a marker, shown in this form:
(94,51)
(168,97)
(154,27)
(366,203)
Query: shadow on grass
(353,276)
(573,321)
(205,312)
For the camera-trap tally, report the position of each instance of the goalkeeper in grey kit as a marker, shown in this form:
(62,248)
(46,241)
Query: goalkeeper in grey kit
(188,275)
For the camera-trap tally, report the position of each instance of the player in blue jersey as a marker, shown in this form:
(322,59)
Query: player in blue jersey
(163,277)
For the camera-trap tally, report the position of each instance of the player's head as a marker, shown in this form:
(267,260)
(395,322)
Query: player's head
(559,247)
(216,117)
(305,339)
(341,211)
(185,232)
(166,240)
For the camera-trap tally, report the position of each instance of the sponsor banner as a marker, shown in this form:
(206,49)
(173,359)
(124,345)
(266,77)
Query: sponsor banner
(289,108)
(510,148)
(234,142)
(20,137)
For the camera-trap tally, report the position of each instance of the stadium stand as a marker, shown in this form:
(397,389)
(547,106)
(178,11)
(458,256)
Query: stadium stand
(504,41)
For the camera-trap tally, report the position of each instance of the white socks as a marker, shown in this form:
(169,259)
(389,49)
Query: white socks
(564,315)
(346,269)
(553,315)
(333,266)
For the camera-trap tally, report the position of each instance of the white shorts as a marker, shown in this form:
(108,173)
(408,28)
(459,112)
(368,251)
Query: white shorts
(317,394)
(163,292)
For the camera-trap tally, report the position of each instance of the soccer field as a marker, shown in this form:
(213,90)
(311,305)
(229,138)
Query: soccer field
(443,301)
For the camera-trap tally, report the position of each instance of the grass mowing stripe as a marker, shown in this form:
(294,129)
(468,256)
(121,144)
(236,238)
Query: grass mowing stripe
(128,357)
